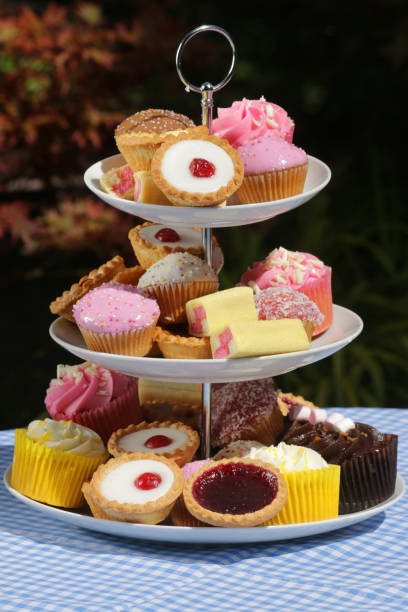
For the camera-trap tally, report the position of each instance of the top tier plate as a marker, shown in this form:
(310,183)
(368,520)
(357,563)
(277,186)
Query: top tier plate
(318,176)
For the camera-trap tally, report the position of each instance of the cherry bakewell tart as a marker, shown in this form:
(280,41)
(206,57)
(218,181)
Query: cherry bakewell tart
(174,441)
(235,493)
(136,488)
(195,168)
(139,135)
(62,305)
(152,241)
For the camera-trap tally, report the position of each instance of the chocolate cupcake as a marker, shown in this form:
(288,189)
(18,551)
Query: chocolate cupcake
(368,460)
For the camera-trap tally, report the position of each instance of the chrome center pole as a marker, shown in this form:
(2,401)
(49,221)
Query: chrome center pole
(207,104)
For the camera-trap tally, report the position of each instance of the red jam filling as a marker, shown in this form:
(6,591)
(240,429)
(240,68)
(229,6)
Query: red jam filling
(158,441)
(166,234)
(127,181)
(235,488)
(202,168)
(147,481)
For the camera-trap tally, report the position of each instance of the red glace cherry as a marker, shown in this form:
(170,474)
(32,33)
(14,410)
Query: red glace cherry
(201,168)
(158,441)
(147,481)
(166,234)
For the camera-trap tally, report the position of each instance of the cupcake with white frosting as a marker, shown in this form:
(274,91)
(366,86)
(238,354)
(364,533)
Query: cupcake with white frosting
(176,279)
(313,484)
(52,459)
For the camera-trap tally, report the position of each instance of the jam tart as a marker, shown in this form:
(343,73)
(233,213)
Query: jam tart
(235,493)
(135,488)
(174,441)
(177,344)
(62,305)
(286,401)
(194,168)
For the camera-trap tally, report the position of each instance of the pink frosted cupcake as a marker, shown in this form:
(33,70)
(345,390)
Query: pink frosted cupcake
(286,303)
(299,271)
(90,395)
(273,169)
(247,120)
(117,318)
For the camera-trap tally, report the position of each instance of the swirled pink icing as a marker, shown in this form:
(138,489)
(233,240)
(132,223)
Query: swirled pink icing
(286,268)
(83,387)
(115,308)
(247,120)
(269,153)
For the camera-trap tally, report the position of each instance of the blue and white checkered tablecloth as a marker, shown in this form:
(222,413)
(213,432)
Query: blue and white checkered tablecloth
(47,565)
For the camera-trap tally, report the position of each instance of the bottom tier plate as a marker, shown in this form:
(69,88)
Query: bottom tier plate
(205,535)
(345,327)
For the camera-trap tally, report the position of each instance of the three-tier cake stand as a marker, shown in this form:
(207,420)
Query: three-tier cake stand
(346,326)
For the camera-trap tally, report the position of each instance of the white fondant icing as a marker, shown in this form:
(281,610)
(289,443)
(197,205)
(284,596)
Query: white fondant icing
(119,485)
(175,268)
(177,159)
(189,236)
(135,441)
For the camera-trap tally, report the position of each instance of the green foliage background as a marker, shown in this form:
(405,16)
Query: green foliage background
(340,70)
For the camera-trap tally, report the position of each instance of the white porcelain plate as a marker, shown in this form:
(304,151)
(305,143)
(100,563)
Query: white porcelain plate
(346,326)
(206,535)
(318,176)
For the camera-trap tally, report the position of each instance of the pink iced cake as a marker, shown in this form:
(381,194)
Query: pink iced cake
(299,271)
(117,318)
(247,120)
(90,395)
(286,303)
(273,169)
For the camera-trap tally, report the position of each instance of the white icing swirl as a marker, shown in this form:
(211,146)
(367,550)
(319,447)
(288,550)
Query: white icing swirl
(66,436)
(176,162)
(289,458)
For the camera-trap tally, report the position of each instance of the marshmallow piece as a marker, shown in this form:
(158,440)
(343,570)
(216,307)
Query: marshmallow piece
(318,415)
(300,413)
(343,425)
(209,313)
(256,338)
(332,419)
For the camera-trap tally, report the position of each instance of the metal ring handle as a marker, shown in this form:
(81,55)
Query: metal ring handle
(205,28)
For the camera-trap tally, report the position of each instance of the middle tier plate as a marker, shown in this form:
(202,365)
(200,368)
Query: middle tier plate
(318,175)
(345,327)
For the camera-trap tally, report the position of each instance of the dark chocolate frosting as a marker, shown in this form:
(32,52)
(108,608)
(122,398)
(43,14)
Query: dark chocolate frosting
(335,447)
